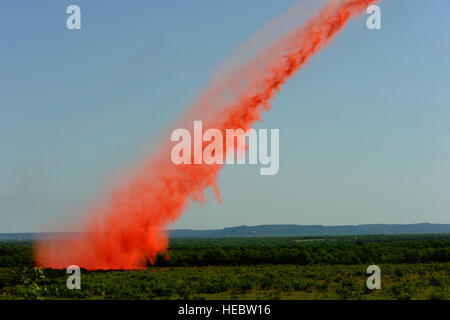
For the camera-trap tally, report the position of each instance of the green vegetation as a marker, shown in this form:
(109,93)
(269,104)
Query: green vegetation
(413,267)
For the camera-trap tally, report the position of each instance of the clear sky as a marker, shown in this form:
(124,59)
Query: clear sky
(364,127)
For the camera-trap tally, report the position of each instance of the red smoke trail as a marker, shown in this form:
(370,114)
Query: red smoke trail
(131,229)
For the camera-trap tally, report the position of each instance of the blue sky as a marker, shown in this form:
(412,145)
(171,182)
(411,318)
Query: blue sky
(364,127)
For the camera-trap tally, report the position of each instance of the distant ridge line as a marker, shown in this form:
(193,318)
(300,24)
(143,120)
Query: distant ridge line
(275,230)
(312,230)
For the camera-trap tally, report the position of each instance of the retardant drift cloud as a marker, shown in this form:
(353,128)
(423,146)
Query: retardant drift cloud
(129,229)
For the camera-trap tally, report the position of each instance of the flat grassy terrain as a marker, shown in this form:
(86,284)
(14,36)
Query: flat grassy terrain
(412,267)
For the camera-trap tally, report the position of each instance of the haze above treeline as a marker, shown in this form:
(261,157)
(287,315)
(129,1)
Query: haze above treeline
(279,230)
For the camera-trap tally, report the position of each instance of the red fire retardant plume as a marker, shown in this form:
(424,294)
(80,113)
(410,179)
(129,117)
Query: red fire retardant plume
(130,229)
